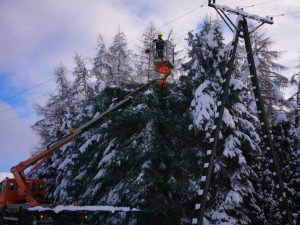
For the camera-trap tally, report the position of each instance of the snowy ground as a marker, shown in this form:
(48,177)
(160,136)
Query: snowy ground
(93,208)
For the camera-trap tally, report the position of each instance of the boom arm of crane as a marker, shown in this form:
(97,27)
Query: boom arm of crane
(36,160)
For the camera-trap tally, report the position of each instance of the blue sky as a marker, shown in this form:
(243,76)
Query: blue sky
(36,36)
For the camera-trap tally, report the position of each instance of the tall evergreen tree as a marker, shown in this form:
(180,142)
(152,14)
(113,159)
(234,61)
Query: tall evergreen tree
(269,73)
(295,99)
(82,75)
(233,198)
(119,60)
(286,138)
(56,108)
(100,62)
(144,62)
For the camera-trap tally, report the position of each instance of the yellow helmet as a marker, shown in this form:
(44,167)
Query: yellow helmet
(159,34)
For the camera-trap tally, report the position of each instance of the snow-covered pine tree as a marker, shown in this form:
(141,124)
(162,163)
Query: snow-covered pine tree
(99,69)
(295,99)
(119,61)
(82,75)
(269,73)
(233,198)
(56,108)
(144,62)
(53,125)
(271,82)
(286,138)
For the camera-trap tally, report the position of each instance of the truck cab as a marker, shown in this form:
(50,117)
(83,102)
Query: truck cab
(9,188)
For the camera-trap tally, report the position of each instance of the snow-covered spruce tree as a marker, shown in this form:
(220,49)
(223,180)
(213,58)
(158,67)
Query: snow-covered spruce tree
(53,124)
(233,198)
(295,100)
(144,62)
(64,163)
(82,75)
(143,157)
(271,82)
(99,69)
(119,61)
(286,139)
(56,108)
(269,73)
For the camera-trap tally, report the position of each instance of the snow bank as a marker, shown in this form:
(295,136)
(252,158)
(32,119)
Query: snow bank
(92,208)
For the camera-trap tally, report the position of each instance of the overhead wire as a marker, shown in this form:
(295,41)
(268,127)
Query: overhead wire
(176,18)
(25,102)
(262,3)
(285,14)
(183,15)
(27,90)
(17,117)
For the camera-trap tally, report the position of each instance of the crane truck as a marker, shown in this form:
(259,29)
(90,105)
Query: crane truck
(18,194)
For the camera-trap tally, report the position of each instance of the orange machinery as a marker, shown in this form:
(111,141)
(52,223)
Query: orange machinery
(163,65)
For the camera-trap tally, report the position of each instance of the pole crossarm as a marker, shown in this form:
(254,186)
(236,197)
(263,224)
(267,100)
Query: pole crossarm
(240,12)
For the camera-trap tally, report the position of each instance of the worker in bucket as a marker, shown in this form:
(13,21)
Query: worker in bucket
(159,46)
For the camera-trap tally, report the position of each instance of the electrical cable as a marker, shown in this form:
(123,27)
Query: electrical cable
(263,3)
(17,117)
(179,17)
(28,101)
(285,14)
(27,90)
(176,18)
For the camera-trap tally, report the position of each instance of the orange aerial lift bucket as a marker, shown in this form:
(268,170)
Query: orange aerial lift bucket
(166,64)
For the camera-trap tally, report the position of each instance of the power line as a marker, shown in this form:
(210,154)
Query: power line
(176,18)
(23,103)
(17,117)
(27,90)
(183,15)
(285,14)
(263,3)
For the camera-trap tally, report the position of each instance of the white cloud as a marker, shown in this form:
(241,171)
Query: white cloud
(17,140)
